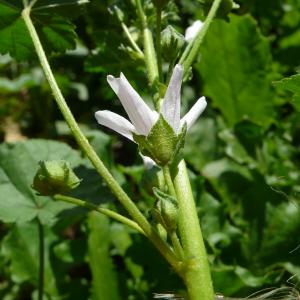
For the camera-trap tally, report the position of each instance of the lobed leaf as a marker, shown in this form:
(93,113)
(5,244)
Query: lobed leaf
(235,66)
(52,22)
(18,164)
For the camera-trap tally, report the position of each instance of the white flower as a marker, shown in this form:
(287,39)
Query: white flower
(193,30)
(141,116)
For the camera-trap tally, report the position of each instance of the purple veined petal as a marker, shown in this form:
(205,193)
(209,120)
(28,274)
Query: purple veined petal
(194,113)
(141,116)
(115,122)
(170,108)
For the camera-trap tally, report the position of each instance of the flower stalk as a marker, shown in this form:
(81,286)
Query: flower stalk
(158,42)
(105,211)
(192,49)
(149,50)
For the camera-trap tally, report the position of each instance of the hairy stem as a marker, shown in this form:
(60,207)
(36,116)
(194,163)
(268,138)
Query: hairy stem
(158,42)
(41,261)
(197,273)
(131,40)
(168,181)
(192,50)
(116,189)
(104,211)
(149,50)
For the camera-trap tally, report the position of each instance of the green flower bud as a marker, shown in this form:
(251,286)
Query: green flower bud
(171,42)
(162,231)
(161,144)
(166,210)
(54,177)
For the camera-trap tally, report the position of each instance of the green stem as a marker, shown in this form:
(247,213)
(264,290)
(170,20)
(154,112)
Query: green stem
(193,47)
(158,42)
(131,40)
(116,189)
(104,211)
(41,261)
(150,56)
(168,180)
(177,245)
(32,3)
(197,273)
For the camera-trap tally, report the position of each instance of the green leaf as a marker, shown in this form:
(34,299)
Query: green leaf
(104,284)
(236,65)
(18,164)
(201,139)
(231,279)
(21,248)
(56,31)
(291,84)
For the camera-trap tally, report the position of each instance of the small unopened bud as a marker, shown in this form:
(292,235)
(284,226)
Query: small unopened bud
(54,177)
(171,42)
(166,210)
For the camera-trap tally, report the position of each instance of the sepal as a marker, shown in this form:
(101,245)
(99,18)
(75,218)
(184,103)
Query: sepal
(161,144)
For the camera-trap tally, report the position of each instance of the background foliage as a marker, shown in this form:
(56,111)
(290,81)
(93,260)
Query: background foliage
(243,155)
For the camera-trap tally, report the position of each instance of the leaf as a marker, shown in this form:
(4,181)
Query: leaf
(18,165)
(291,84)
(236,65)
(56,31)
(201,139)
(281,233)
(104,284)
(21,249)
(231,279)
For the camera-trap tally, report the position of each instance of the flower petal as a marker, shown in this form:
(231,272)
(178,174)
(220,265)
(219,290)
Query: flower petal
(148,162)
(170,108)
(115,122)
(141,116)
(193,30)
(194,113)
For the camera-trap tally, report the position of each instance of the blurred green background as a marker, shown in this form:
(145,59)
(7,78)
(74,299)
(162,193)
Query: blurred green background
(242,154)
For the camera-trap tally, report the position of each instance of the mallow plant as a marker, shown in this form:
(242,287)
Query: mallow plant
(158,133)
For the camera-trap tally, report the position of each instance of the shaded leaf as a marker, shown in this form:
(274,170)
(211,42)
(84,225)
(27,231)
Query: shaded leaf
(56,32)
(291,84)
(21,249)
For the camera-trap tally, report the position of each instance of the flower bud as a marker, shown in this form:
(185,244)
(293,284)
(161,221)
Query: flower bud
(171,42)
(54,177)
(166,210)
